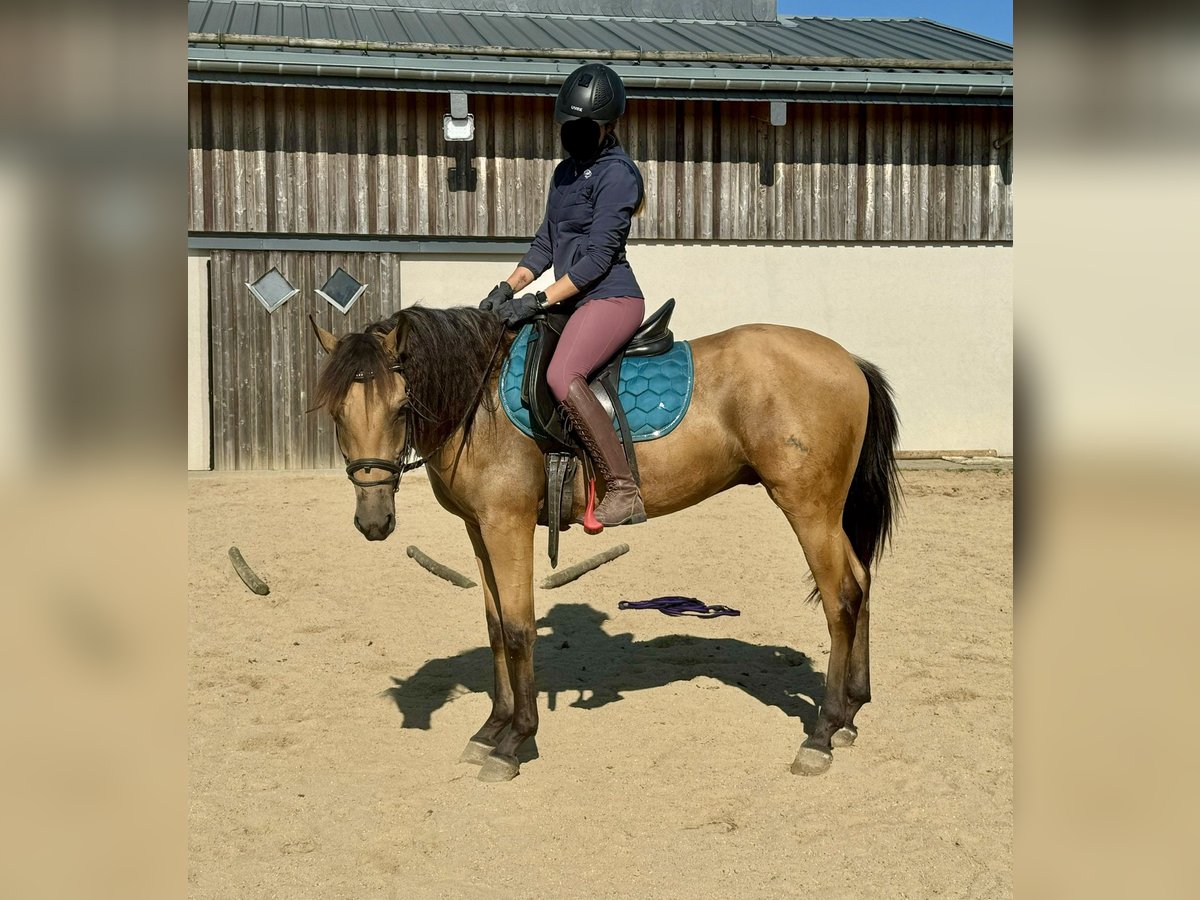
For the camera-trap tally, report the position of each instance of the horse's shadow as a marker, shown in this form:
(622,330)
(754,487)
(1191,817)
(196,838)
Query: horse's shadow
(579,658)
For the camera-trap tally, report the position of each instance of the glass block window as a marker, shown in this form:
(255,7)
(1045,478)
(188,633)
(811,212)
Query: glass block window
(272,290)
(342,289)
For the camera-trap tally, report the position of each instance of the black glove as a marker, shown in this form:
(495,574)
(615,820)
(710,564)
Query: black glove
(518,309)
(501,293)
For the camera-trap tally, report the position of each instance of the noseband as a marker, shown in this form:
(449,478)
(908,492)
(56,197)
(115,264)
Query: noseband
(394,467)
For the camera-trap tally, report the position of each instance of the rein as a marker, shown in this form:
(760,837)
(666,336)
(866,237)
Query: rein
(681,606)
(396,468)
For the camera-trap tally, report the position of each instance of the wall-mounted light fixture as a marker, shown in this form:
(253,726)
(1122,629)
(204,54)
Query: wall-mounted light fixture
(459,125)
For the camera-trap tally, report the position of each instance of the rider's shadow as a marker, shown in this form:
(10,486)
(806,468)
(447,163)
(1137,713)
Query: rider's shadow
(579,660)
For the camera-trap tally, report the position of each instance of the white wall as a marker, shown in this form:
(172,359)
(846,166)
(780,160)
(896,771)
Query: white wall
(199,398)
(936,318)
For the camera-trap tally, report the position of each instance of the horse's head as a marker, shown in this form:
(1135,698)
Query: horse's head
(362,386)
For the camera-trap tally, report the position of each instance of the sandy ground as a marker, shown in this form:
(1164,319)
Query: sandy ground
(326,718)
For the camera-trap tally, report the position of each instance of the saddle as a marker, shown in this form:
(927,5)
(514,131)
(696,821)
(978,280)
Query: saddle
(562,451)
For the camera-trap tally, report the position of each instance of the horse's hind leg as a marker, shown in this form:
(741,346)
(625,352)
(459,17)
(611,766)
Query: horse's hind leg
(484,741)
(841,596)
(858,680)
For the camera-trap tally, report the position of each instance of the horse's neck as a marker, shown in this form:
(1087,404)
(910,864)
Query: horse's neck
(456,464)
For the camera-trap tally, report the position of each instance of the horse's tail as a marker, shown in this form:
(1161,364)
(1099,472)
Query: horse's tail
(874,498)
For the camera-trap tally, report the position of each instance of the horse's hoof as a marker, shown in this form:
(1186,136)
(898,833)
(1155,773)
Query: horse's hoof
(845,737)
(475,753)
(811,761)
(499,768)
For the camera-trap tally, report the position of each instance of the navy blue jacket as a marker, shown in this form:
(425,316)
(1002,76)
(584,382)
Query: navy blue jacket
(587,222)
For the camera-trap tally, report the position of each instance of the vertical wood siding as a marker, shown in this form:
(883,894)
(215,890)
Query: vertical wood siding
(303,160)
(264,366)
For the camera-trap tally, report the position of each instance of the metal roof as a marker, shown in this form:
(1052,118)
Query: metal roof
(698,10)
(388,40)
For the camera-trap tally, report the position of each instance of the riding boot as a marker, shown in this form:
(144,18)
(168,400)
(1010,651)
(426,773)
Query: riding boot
(622,503)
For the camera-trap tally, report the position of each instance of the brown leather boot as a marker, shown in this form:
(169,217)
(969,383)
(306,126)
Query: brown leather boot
(622,503)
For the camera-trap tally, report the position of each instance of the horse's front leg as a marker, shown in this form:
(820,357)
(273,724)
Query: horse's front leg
(509,545)
(484,741)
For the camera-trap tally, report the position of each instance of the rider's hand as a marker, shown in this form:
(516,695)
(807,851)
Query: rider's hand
(501,293)
(518,309)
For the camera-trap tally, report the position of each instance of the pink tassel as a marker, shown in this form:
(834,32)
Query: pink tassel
(591,524)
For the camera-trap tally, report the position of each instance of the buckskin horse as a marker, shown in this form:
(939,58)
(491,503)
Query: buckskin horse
(771,405)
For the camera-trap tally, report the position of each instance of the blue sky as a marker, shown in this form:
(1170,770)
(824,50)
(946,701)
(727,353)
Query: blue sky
(991,19)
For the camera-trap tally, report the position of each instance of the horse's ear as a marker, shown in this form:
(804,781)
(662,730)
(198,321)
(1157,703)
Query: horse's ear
(327,340)
(389,341)
(395,342)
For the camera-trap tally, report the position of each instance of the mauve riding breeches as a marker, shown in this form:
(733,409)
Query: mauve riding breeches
(595,331)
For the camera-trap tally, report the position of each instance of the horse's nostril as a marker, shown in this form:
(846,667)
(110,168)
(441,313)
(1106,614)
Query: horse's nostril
(358,524)
(389,522)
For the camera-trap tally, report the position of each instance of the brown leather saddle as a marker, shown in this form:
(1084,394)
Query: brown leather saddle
(560,446)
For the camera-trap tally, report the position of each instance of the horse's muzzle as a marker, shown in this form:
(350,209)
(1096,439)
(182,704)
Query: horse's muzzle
(376,531)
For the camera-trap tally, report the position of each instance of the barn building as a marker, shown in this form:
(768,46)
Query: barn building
(852,176)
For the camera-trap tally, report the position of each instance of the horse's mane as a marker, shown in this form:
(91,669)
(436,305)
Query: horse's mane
(445,356)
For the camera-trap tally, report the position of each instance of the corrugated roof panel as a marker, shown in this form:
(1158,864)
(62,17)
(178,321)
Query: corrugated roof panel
(593,35)
(509,31)
(466,31)
(735,40)
(917,38)
(905,40)
(197,13)
(483,36)
(791,35)
(964,41)
(882,43)
(391,27)
(317,23)
(810,43)
(241,18)
(342,23)
(720,10)
(293,21)
(218,17)
(415,26)
(366,24)
(556,35)
(674,36)
(559,32)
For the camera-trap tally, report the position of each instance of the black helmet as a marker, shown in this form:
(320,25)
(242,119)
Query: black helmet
(593,92)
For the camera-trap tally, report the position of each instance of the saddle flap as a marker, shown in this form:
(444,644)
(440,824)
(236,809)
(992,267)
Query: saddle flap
(535,391)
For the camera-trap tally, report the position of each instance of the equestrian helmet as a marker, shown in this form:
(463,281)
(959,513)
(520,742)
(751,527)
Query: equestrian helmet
(593,92)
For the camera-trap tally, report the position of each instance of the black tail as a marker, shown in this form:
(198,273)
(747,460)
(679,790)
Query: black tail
(874,498)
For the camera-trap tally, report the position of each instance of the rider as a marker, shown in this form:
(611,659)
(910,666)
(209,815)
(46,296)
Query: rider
(593,196)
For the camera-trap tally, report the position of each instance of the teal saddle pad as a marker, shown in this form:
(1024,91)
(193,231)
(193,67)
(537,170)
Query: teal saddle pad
(655,390)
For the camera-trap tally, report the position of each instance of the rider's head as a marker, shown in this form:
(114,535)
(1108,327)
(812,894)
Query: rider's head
(588,105)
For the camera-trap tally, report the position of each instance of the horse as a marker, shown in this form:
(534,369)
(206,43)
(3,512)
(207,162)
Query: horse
(773,405)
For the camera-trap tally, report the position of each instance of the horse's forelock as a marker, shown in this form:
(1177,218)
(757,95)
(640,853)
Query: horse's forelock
(356,354)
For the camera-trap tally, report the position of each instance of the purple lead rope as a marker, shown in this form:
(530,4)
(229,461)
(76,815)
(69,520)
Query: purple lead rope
(680,606)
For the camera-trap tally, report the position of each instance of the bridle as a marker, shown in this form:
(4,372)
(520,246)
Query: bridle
(398,466)
(394,467)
